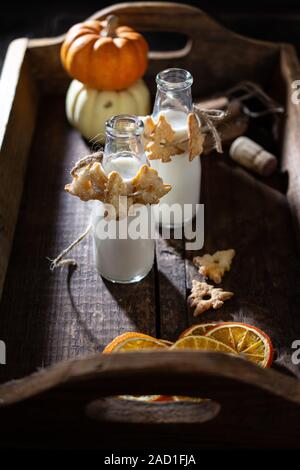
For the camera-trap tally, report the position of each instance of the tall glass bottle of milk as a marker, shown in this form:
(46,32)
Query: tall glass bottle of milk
(119,257)
(174,101)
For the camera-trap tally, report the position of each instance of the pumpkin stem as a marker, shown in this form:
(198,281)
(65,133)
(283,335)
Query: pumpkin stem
(111,26)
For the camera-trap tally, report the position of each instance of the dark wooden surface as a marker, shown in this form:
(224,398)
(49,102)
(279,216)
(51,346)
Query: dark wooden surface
(49,316)
(57,316)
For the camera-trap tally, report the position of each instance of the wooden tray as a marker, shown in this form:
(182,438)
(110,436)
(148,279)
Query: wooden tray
(49,317)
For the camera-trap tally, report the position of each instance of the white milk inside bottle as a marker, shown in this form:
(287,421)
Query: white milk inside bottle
(118,257)
(174,102)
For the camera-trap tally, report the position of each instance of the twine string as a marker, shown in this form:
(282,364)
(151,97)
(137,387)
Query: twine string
(209,116)
(59,261)
(87,160)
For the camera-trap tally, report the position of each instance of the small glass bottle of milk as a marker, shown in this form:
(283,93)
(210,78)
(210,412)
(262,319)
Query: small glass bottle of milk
(119,257)
(174,101)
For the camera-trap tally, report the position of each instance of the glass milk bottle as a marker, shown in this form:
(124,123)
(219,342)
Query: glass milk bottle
(118,257)
(174,101)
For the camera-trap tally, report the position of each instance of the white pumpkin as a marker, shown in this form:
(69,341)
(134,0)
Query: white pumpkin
(88,109)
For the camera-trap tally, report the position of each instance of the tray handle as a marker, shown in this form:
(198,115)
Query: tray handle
(209,47)
(158,16)
(66,403)
(221,377)
(165,17)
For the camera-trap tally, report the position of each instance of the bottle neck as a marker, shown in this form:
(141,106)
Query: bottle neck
(174,92)
(123,141)
(116,147)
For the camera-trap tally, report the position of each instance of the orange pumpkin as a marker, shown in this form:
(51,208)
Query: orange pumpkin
(103,55)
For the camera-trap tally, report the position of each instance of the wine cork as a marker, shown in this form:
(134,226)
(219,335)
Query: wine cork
(252,156)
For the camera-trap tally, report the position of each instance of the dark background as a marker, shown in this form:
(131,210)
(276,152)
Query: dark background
(265,19)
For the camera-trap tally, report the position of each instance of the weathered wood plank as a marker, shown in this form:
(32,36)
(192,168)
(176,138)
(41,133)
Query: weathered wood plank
(81,372)
(170,258)
(43,319)
(18,98)
(254,219)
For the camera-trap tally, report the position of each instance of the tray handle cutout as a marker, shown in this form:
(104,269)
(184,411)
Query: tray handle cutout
(153,17)
(118,410)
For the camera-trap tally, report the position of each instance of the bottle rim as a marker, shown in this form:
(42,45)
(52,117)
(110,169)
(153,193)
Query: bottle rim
(174,79)
(124,126)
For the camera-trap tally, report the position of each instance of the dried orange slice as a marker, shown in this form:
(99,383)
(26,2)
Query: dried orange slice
(202,343)
(166,342)
(161,398)
(136,344)
(197,330)
(245,339)
(124,337)
(171,398)
(142,398)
